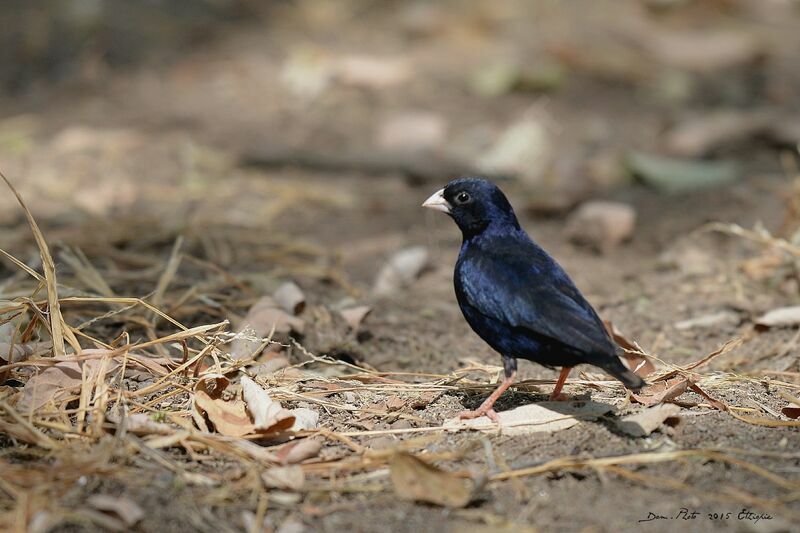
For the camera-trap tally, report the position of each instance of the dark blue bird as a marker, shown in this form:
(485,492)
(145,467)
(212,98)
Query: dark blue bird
(516,297)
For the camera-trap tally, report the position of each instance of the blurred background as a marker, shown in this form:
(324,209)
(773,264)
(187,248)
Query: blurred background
(106,100)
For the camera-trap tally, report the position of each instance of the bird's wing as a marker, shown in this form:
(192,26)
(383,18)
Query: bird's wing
(525,288)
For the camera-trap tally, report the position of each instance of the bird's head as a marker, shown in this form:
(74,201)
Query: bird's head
(475,204)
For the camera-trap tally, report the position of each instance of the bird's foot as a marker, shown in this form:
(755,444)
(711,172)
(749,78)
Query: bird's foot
(479,412)
(560,397)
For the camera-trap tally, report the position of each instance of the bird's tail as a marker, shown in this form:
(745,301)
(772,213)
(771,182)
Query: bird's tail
(622,373)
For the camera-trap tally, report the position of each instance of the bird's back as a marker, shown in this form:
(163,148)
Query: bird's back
(519,300)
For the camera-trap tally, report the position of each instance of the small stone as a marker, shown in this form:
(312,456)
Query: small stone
(401,424)
(601,225)
(350,397)
(710,320)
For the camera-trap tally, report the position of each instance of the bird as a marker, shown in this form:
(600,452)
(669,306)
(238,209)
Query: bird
(516,297)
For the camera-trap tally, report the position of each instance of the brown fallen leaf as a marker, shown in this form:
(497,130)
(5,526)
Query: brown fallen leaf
(284,477)
(125,508)
(212,384)
(15,353)
(716,404)
(270,365)
(354,316)
(401,269)
(645,422)
(268,415)
(415,480)
(264,316)
(661,391)
(228,418)
(61,380)
(641,365)
(423,400)
(395,403)
(299,450)
(791,411)
(290,298)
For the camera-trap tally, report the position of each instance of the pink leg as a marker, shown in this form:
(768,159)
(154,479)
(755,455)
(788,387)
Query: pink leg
(556,394)
(488,403)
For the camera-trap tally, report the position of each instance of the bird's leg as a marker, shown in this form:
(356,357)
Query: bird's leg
(556,394)
(486,407)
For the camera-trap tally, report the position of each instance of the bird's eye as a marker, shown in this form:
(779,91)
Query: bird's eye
(463,197)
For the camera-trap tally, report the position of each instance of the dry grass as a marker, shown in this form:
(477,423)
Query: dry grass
(178,337)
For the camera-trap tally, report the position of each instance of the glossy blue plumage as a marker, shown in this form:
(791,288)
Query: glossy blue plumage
(515,296)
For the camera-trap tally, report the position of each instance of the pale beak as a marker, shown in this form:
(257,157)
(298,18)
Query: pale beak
(437,201)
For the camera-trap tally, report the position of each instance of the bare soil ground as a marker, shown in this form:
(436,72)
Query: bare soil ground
(118,170)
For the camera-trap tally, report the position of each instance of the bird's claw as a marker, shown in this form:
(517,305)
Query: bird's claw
(479,412)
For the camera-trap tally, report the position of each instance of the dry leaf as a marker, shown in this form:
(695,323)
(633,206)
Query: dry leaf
(782,316)
(15,353)
(61,380)
(643,423)
(791,411)
(268,415)
(299,450)
(290,297)
(395,403)
(270,366)
(641,365)
(305,418)
(264,317)
(284,477)
(423,400)
(228,418)
(401,269)
(716,404)
(125,508)
(661,391)
(710,320)
(354,316)
(212,384)
(535,418)
(416,480)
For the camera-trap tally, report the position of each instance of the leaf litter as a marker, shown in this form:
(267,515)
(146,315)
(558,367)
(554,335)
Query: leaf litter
(198,393)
